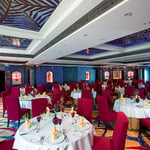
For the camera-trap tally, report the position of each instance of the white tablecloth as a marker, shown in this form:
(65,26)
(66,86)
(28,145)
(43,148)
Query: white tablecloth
(77,94)
(81,141)
(132,109)
(27,103)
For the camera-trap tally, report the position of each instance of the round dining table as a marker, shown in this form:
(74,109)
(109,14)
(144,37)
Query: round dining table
(77,94)
(25,101)
(133,110)
(71,135)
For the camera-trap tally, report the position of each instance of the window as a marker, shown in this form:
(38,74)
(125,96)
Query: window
(87,76)
(106,75)
(16,78)
(131,74)
(49,77)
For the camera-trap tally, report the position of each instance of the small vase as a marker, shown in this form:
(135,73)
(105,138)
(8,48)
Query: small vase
(137,100)
(55,119)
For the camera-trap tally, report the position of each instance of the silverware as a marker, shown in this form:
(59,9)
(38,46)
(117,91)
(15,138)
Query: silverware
(65,136)
(42,140)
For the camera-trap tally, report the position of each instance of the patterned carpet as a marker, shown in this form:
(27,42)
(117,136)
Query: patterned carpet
(134,140)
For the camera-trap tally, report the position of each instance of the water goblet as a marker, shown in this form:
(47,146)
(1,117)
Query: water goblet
(72,115)
(38,123)
(59,122)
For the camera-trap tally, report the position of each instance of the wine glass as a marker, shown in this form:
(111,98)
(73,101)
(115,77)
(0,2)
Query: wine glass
(59,122)
(38,123)
(72,115)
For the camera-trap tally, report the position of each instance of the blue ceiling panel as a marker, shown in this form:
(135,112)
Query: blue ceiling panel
(26,14)
(90,52)
(13,42)
(135,39)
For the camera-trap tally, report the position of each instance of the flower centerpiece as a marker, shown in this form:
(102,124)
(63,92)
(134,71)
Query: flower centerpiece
(136,96)
(33,92)
(56,108)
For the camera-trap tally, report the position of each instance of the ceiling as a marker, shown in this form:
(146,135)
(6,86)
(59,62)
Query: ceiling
(69,32)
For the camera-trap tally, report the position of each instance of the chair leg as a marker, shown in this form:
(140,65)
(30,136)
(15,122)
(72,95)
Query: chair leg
(99,122)
(103,135)
(3,113)
(18,123)
(7,123)
(29,115)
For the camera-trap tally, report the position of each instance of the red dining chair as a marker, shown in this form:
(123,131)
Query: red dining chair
(141,93)
(85,107)
(86,93)
(67,99)
(117,142)
(26,85)
(47,89)
(105,115)
(8,89)
(146,122)
(14,112)
(38,106)
(28,90)
(15,91)
(7,145)
(56,97)
(3,95)
(80,84)
(107,94)
(40,89)
(129,91)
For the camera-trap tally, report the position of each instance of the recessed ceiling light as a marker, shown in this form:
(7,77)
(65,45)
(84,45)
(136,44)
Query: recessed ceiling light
(146,23)
(128,14)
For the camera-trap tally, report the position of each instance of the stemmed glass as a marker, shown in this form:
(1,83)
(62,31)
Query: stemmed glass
(59,122)
(38,123)
(72,115)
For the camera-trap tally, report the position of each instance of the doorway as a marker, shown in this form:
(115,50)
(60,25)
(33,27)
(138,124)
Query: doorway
(2,81)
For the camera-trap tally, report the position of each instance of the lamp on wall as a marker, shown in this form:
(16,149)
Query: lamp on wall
(15,42)
(87,51)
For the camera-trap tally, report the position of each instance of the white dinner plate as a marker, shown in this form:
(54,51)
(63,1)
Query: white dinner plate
(49,140)
(78,128)
(23,128)
(77,134)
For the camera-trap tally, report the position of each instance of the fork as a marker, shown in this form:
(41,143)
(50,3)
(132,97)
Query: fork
(42,140)
(65,136)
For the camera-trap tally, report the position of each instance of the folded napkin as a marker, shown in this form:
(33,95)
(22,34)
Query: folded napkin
(43,95)
(27,123)
(47,111)
(54,133)
(81,122)
(122,98)
(26,98)
(144,103)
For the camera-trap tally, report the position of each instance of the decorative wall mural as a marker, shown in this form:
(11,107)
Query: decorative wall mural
(26,14)
(117,74)
(49,77)
(87,76)
(16,78)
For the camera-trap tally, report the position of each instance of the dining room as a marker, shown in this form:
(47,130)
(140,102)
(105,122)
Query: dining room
(74,75)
